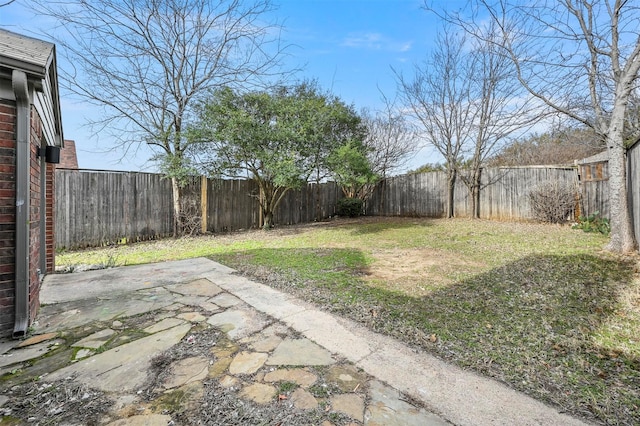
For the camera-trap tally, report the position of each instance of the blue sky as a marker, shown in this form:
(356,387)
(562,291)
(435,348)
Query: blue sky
(349,46)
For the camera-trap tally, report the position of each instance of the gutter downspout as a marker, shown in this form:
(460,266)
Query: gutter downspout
(23,113)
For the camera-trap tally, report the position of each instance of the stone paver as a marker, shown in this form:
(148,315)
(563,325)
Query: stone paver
(258,393)
(225,300)
(229,382)
(347,377)
(297,375)
(124,368)
(191,316)
(192,300)
(28,353)
(303,400)
(239,323)
(186,371)
(387,409)
(164,324)
(350,404)
(200,287)
(146,420)
(247,362)
(262,344)
(219,367)
(83,353)
(95,340)
(300,352)
(37,339)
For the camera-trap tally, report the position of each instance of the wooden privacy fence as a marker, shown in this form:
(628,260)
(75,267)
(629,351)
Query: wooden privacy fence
(594,182)
(633,188)
(233,204)
(98,208)
(504,193)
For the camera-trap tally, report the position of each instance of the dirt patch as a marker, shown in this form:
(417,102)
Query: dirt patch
(417,272)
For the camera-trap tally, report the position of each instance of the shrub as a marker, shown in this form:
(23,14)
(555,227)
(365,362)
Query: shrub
(593,223)
(351,207)
(552,201)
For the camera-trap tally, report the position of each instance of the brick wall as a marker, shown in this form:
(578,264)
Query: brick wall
(50,217)
(7,215)
(35,214)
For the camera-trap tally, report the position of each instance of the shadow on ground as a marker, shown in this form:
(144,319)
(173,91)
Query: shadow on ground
(375,224)
(541,324)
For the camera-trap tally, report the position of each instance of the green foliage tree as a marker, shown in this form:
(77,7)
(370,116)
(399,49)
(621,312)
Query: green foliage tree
(278,138)
(352,170)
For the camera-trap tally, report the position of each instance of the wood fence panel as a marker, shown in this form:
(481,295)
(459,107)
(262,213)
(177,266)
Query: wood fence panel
(308,204)
(595,198)
(97,208)
(232,205)
(594,187)
(633,186)
(420,194)
(505,191)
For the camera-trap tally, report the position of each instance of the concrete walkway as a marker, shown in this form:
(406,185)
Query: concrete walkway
(274,347)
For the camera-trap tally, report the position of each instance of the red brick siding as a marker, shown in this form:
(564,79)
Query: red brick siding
(50,215)
(7,215)
(68,156)
(35,214)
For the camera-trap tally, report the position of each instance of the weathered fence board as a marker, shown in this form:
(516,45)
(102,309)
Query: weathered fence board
(232,205)
(633,181)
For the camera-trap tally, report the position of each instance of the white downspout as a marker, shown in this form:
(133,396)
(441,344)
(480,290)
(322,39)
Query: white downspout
(23,113)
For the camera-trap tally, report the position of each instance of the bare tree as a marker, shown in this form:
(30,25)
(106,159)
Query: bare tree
(437,98)
(499,110)
(390,139)
(148,62)
(582,58)
(558,147)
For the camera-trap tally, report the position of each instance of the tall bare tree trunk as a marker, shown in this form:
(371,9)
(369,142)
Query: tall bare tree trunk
(451,186)
(622,237)
(475,194)
(177,207)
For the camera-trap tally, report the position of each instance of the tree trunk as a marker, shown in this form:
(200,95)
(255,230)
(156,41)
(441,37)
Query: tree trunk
(177,208)
(451,184)
(622,238)
(268,220)
(475,194)
(318,206)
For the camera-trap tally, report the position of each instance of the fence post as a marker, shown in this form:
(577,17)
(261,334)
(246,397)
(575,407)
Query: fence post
(203,202)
